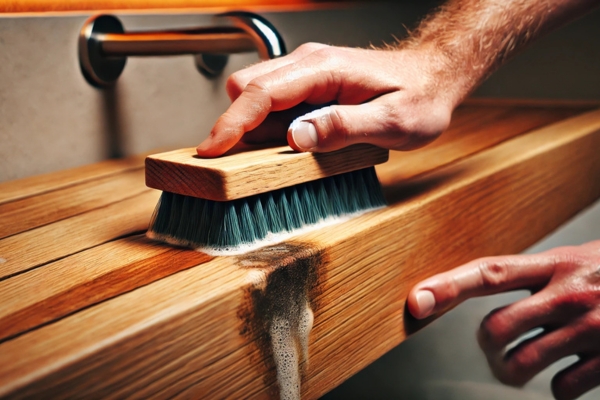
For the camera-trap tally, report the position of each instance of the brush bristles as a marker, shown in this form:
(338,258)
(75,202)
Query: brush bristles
(207,224)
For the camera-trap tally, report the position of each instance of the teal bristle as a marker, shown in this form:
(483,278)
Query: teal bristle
(223,226)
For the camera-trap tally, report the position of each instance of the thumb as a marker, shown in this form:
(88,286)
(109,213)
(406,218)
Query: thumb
(337,126)
(481,277)
(334,127)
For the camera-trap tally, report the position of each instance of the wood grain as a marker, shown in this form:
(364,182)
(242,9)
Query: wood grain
(35,185)
(194,333)
(245,172)
(32,212)
(38,246)
(19,6)
(87,278)
(474,128)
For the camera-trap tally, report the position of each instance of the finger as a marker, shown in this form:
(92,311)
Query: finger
(480,277)
(242,116)
(238,80)
(532,356)
(271,92)
(577,379)
(274,128)
(506,324)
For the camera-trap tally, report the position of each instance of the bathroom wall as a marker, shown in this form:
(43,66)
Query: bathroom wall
(52,119)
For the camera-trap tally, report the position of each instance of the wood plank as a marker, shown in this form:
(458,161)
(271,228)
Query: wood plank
(22,6)
(87,278)
(36,247)
(35,185)
(249,170)
(526,102)
(32,212)
(474,128)
(201,332)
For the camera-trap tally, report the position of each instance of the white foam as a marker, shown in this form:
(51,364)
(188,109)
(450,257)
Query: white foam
(286,339)
(285,354)
(271,238)
(304,327)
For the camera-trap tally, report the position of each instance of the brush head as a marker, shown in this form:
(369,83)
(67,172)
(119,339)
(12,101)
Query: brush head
(249,170)
(237,226)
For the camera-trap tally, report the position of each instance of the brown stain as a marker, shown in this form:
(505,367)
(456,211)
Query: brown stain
(104,287)
(293,274)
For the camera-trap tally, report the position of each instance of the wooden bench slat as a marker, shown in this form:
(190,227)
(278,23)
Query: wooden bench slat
(196,330)
(473,129)
(30,249)
(32,212)
(81,280)
(38,184)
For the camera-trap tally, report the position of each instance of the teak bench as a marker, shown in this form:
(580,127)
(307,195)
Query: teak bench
(91,308)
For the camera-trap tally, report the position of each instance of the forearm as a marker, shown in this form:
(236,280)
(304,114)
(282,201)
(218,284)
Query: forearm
(469,39)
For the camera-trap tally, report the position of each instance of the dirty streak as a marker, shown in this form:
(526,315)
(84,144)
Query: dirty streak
(277,315)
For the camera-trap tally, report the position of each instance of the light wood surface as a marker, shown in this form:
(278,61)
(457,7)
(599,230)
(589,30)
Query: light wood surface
(247,171)
(20,6)
(484,124)
(115,315)
(35,185)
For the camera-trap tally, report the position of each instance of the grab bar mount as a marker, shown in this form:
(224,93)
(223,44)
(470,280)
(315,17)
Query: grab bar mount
(104,45)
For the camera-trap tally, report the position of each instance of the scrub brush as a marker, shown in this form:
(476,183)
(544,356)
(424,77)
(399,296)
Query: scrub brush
(248,199)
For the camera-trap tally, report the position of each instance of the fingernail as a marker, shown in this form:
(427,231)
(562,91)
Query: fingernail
(204,150)
(202,146)
(426,302)
(304,135)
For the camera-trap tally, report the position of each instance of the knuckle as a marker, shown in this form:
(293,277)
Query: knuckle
(235,81)
(258,86)
(340,126)
(258,91)
(412,129)
(518,366)
(591,325)
(330,55)
(394,121)
(568,256)
(454,291)
(578,296)
(493,273)
(523,360)
(491,330)
(310,47)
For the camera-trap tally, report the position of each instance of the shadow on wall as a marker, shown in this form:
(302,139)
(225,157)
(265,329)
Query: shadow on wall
(113,126)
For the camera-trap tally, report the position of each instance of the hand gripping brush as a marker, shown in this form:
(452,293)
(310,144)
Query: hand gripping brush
(249,199)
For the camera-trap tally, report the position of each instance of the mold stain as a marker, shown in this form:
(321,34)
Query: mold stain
(277,315)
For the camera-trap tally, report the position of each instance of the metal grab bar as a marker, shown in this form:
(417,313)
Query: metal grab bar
(104,45)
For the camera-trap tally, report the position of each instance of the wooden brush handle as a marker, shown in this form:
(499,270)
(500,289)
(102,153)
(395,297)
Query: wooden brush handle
(245,173)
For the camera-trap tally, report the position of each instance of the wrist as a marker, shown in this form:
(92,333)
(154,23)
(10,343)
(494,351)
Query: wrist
(444,76)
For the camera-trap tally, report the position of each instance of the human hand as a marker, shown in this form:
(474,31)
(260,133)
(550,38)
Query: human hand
(396,99)
(565,283)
